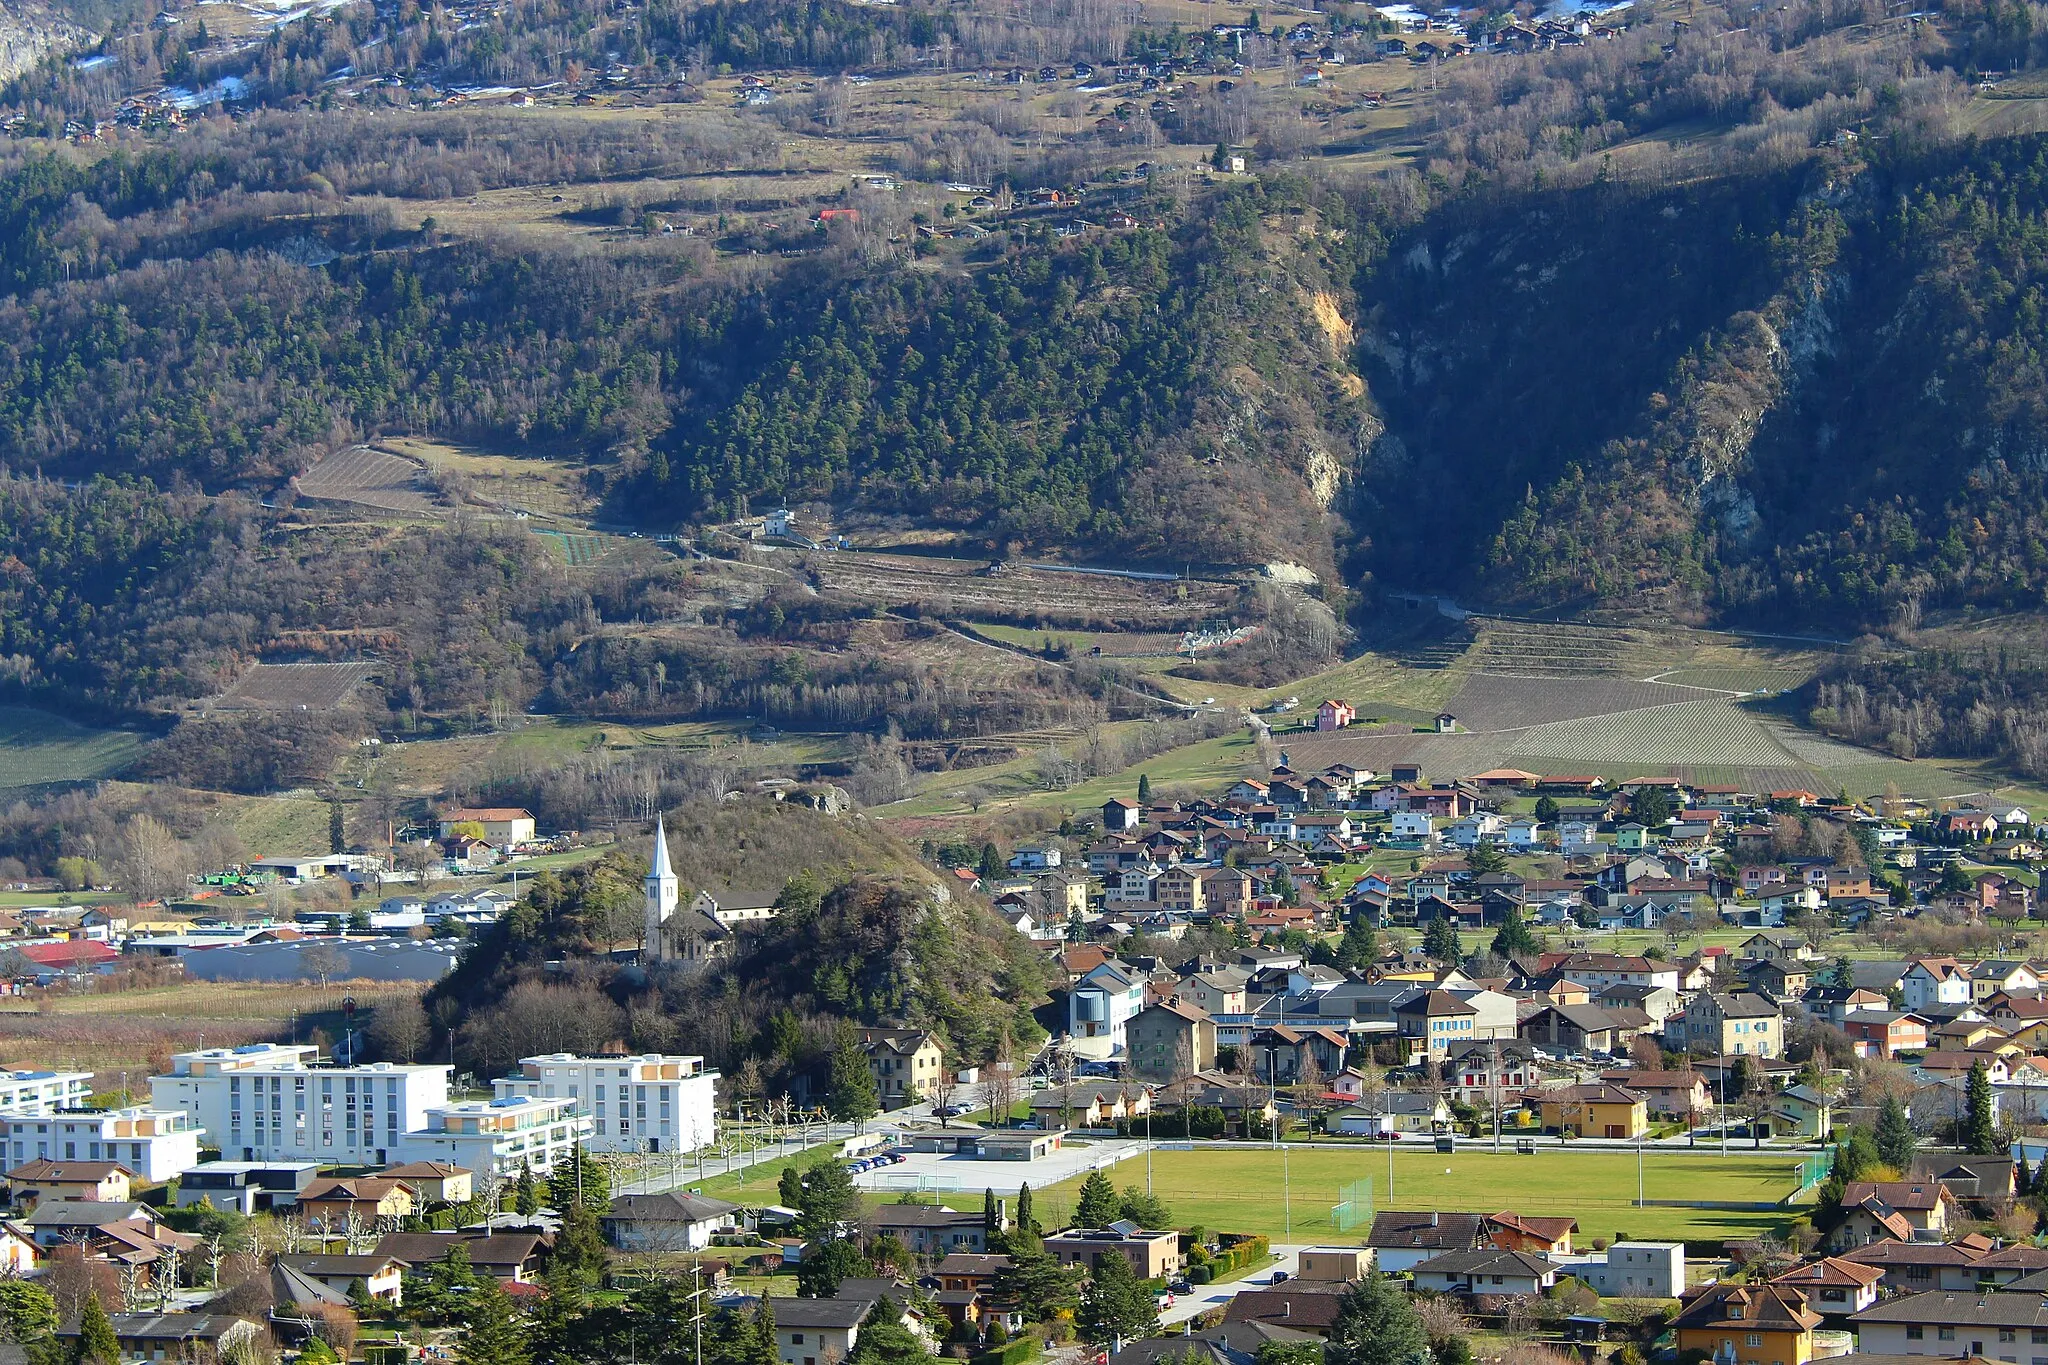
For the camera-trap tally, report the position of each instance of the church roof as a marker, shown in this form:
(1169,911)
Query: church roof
(661,868)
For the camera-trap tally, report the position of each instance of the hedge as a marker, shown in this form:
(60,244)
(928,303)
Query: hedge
(383,1354)
(1010,1353)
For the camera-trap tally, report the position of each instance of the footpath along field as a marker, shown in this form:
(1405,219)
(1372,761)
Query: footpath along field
(1247,1190)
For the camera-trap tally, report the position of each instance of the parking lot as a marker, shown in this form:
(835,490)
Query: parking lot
(941,1173)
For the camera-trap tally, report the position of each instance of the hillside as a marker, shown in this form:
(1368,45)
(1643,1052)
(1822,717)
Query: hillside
(864,933)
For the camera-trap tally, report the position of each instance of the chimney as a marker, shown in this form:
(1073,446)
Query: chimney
(1433,1217)
(1287,1308)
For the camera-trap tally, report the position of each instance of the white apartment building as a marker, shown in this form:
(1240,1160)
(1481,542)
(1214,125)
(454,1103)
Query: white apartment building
(154,1144)
(649,1103)
(269,1102)
(500,1135)
(39,1092)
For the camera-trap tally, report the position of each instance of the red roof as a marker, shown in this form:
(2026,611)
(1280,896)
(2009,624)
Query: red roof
(78,953)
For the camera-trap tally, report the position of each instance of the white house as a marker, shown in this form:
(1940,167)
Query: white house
(1035,858)
(1634,1270)
(1410,824)
(1475,829)
(39,1092)
(672,1221)
(1935,981)
(650,1103)
(1578,836)
(1523,833)
(1100,1004)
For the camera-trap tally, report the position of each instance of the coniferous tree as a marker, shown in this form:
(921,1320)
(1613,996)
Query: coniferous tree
(1980,1126)
(1116,1306)
(852,1095)
(491,1335)
(1144,789)
(1377,1325)
(526,1194)
(1096,1206)
(97,1342)
(1895,1140)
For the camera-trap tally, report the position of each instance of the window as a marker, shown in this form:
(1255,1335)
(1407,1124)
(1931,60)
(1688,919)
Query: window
(1945,1333)
(1915,1332)
(1753,1339)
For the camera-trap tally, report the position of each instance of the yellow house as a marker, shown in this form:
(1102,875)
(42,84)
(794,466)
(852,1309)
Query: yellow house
(435,1182)
(907,1064)
(333,1201)
(1766,1324)
(1599,1110)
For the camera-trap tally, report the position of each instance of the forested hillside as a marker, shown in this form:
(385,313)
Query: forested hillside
(1809,397)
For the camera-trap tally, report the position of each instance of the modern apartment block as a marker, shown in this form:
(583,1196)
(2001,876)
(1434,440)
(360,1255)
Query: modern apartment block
(501,1135)
(649,1103)
(39,1092)
(270,1102)
(154,1144)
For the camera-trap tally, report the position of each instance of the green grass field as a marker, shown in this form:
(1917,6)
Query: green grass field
(1202,768)
(1249,1189)
(37,748)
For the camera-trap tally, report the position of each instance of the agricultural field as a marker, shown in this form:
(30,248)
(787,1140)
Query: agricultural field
(370,478)
(967,588)
(295,687)
(1488,702)
(37,749)
(123,1036)
(517,483)
(1016,786)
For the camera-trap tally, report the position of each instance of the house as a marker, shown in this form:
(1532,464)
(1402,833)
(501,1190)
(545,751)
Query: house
(932,1230)
(1120,815)
(817,1331)
(501,827)
(1491,1069)
(1913,1267)
(433,1182)
(1583,1028)
(1885,1034)
(248,1186)
(669,1222)
(1984,1179)
(1227,1343)
(1400,1241)
(1681,1095)
(1100,1004)
(1802,1111)
(44,1180)
(1734,1025)
(1492,1272)
(1153,1255)
(1035,858)
(1337,1265)
(1298,1305)
(906,1063)
(1434,1021)
(1834,1288)
(1170,1039)
(334,1202)
(1907,1210)
(1595,1110)
(1393,1111)
(1951,1324)
(1089,1106)
(1335,715)
(201,1338)
(1538,1236)
(1218,992)
(380,1275)
(1932,981)
(513,1257)
(1739,1324)
(1633,1270)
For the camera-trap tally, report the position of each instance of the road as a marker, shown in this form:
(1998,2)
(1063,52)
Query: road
(1207,1296)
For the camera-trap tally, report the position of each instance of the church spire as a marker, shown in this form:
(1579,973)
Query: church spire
(661,867)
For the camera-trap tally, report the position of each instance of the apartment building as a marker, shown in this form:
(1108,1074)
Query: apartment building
(154,1144)
(271,1102)
(39,1092)
(650,1103)
(501,1135)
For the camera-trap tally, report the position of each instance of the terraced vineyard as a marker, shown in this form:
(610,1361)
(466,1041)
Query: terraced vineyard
(1489,702)
(966,588)
(1761,679)
(301,687)
(370,478)
(1689,732)
(576,548)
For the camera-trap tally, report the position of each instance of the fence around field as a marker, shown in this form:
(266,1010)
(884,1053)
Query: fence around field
(1355,1209)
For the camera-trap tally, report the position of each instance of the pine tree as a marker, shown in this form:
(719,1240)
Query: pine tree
(1360,946)
(852,1095)
(1096,1204)
(97,1342)
(790,1188)
(579,1247)
(1514,938)
(526,1195)
(1895,1141)
(490,1334)
(1144,789)
(991,863)
(1440,941)
(1376,1325)
(577,1177)
(991,1215)
(1980,1129)
(1116,1306)
(829,1199)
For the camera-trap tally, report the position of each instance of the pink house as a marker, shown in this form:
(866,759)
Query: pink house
(1335,715)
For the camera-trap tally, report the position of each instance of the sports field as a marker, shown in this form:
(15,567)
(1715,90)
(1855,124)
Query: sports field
(1248,1190)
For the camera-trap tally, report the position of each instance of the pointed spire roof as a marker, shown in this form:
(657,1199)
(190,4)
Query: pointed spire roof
(661,869)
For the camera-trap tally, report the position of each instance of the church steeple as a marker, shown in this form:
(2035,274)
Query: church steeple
(663,891)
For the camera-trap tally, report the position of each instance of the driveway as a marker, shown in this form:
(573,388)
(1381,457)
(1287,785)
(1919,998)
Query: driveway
(1207,1296)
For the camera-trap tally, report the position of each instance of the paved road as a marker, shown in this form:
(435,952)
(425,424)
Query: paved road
(1208,1296)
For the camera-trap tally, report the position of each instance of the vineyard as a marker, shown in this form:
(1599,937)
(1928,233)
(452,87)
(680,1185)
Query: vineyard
(1688,732)
(295,687)
(37,748)
(369,478)
(578,549)
(1487,702)
(972,589)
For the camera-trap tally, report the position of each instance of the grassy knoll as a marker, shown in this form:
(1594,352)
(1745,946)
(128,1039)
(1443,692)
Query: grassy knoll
(38,748)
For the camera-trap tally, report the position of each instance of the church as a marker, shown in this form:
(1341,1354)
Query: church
(688,936)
